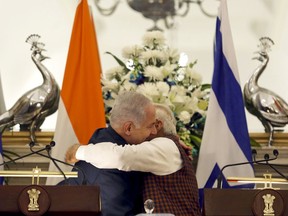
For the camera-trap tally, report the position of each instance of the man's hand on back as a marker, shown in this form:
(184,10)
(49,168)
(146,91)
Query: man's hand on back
(188,149)
(70,156)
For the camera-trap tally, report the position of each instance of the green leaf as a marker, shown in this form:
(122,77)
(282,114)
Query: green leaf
(196,141)
(121,63)
(205,86)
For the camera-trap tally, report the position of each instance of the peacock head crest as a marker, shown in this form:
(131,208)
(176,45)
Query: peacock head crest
(36,46)
(33,39)
(265,45)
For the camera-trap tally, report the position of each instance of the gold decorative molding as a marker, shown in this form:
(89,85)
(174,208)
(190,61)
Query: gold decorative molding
(18,142)
(22,137)
(280,138)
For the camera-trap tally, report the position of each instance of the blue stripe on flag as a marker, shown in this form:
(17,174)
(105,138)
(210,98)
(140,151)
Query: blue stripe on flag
(226,86)
(212,178)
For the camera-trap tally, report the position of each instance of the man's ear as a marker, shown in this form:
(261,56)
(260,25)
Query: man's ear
(127,127)
(159,124)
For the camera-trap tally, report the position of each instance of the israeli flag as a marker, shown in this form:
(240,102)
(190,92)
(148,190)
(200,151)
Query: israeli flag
(226,138)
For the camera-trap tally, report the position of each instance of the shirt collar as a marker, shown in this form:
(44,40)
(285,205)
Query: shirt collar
(116,136)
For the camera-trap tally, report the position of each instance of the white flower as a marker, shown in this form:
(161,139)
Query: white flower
(152,57)
(185,117)
(163,87)
(114,73)
(173,56)
(127,86)
(154,73)
(178,90)
(193,76)
(132,52)
(150,90)
(191,104)
(168,69)
(110,85)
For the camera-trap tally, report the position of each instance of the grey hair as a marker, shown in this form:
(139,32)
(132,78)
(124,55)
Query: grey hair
(129,106)
(164,114)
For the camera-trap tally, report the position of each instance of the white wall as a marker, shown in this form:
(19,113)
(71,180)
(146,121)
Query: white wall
(193,34)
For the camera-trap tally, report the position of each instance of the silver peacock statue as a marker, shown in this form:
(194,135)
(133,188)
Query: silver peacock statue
(31,109)
(267,106)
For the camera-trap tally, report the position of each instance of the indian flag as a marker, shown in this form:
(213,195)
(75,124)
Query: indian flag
(81,106)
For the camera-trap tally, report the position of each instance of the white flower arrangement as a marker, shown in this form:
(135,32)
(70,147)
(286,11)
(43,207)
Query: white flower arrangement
(157,71)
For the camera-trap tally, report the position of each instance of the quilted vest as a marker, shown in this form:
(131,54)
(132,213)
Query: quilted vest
(176,193)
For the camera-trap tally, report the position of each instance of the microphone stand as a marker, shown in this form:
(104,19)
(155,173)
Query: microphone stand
(21,157)
(54,160)
(26,173)
(48,148)
(272,166)
(266,159)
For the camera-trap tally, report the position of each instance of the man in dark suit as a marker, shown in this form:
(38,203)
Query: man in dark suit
(132,121)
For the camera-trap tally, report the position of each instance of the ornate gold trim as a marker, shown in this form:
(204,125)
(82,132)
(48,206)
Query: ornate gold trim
(22,137)
(280,138)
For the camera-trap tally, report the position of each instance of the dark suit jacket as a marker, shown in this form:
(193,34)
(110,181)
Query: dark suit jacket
(120,191)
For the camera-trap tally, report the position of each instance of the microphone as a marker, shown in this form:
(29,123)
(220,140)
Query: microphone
(266,157)
(54,160)
(272,166)
(254,153)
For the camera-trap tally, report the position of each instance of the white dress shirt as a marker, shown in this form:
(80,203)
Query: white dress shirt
(159,156)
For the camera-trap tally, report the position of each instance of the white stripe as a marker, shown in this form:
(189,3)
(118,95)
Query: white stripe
(228,45)
(64,137)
